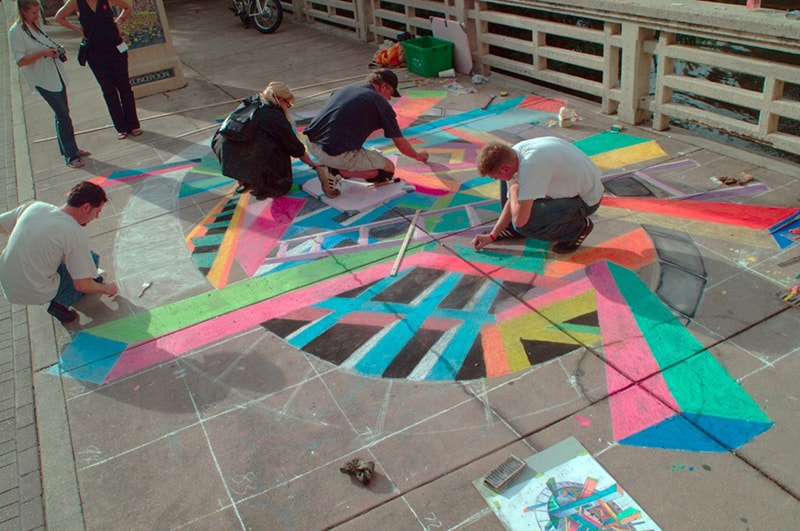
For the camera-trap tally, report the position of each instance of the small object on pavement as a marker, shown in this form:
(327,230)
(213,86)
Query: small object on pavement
(384,183)
(478,79)
(359,469)
(503,93)
(499,478)
(565,115)
(791,296)
(741,180)
(403,246)
(145,287)
(790,261)
(617,128)
(491,99)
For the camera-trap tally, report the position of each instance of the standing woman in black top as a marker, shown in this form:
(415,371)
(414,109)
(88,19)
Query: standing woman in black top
(107,57)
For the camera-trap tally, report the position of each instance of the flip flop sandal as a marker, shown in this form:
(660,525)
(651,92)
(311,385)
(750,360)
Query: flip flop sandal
(242,188)
(328,182)
(76,163)
(122,136)
(136,132)
(83,153)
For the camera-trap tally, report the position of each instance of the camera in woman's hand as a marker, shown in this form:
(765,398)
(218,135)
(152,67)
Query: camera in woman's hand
(62,53)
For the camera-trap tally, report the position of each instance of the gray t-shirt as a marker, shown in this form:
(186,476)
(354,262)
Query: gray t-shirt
(552,167)
(42,237)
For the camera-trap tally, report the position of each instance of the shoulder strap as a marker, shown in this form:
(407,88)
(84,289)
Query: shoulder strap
(27,30)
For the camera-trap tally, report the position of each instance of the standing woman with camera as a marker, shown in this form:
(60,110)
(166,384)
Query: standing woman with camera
(40,60)
(107,57)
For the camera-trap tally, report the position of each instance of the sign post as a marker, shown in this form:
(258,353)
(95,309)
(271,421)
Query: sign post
(153,65)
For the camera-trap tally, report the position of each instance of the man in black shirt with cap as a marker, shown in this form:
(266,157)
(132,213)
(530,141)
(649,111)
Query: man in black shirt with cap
(337,134)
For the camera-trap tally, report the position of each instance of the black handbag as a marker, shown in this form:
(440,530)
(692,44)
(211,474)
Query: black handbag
(83,52)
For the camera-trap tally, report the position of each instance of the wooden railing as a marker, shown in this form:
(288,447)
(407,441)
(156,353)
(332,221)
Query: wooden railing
(716,66)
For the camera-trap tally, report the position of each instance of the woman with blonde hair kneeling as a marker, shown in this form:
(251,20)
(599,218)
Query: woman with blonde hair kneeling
(263,162)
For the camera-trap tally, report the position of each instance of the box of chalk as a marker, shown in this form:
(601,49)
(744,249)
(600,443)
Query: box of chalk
(499,478)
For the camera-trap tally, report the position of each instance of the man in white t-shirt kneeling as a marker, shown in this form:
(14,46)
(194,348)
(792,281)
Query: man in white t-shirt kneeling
(548,190)
(48,258)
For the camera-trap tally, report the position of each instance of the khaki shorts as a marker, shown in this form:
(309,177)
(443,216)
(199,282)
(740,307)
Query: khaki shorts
(357,160)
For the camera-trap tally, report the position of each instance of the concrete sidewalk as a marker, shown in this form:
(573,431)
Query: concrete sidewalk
(245,430)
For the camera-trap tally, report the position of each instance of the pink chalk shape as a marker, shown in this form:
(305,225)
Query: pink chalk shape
(541,103)
(369,319)
(136,358)
(427,190)
(629,359)
(262,229)
(134,175)
(440,323)
(624,344)
(554,294)
(306,314)
(634,410)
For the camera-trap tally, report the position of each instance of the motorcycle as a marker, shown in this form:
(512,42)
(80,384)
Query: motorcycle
(265,14)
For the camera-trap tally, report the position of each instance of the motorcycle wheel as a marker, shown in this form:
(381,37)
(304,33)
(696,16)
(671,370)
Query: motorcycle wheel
(267,15)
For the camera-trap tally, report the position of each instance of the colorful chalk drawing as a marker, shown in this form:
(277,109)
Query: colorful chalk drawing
(320,279)
(569,505)
(574,494)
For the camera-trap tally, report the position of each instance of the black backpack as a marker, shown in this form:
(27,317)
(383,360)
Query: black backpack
(239,126)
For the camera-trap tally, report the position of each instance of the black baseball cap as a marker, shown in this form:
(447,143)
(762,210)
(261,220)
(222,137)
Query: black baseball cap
(391,78)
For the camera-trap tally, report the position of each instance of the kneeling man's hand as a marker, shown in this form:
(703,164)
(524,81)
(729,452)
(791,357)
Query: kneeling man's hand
(110,289)
(480,241)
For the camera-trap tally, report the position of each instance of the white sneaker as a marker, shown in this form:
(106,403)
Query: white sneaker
(328,182)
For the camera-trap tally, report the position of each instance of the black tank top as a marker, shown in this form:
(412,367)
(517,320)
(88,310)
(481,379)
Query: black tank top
(98,26)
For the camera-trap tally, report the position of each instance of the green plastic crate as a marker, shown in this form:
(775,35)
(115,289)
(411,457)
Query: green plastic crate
(427,56)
